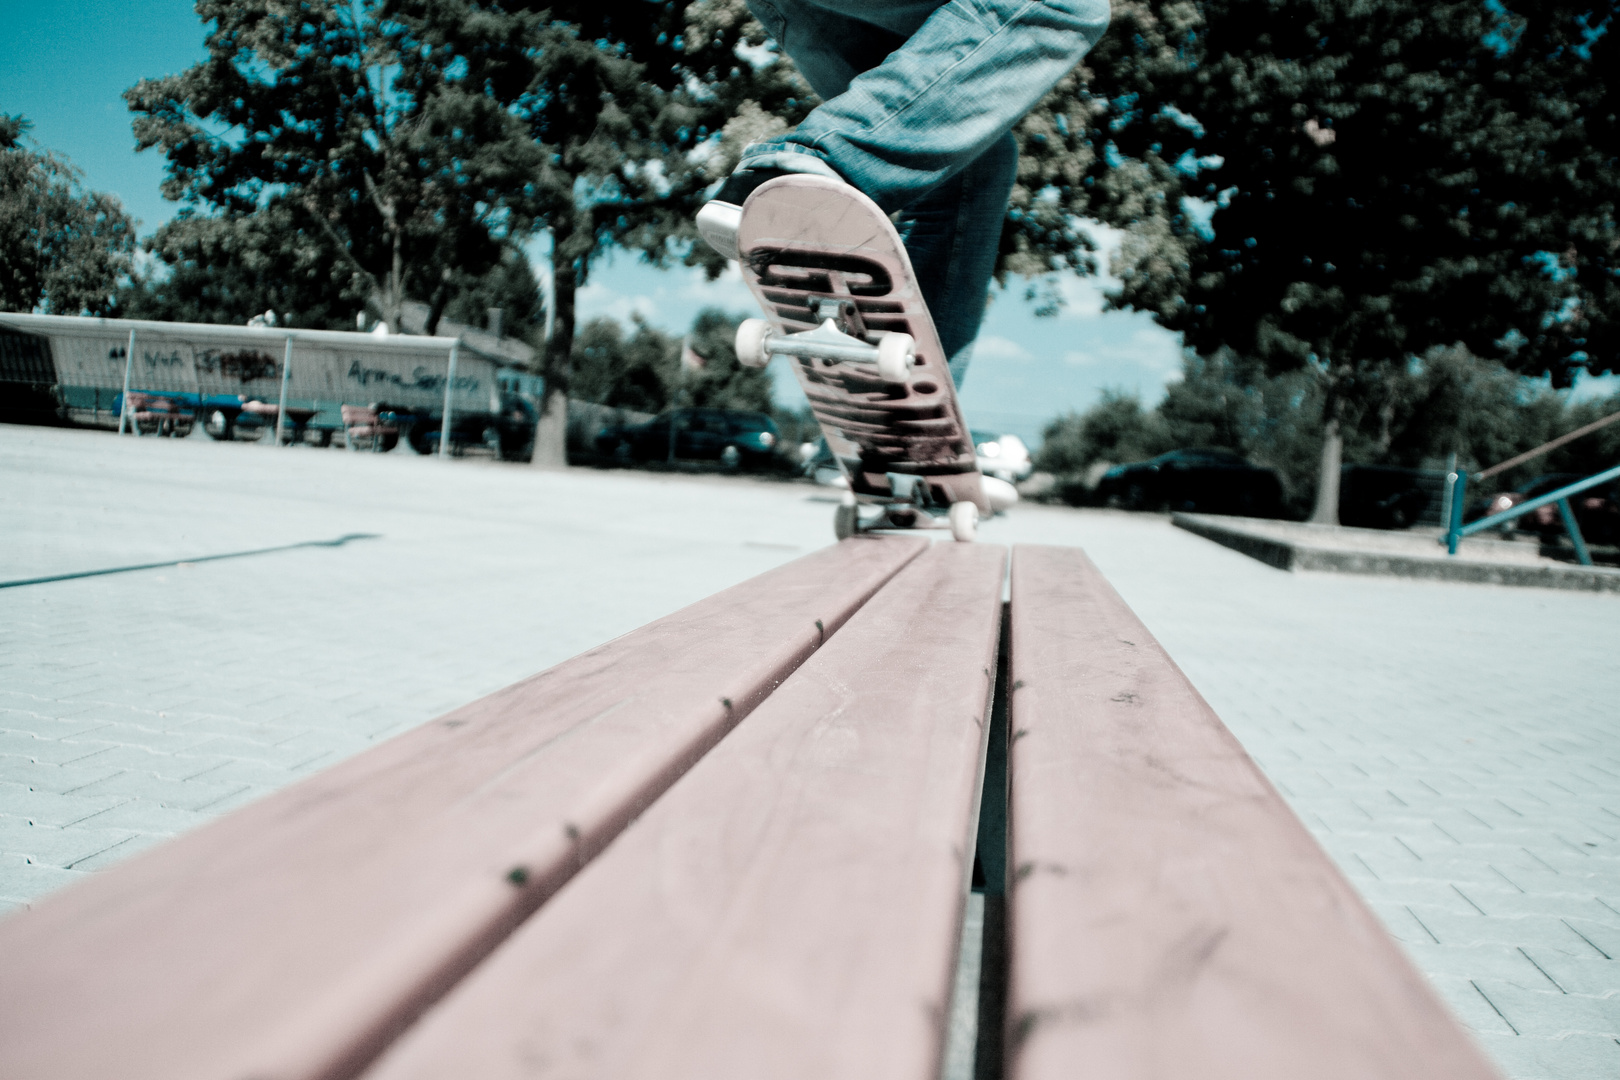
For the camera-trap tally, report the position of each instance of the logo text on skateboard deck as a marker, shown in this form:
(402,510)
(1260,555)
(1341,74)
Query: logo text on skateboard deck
(843,307)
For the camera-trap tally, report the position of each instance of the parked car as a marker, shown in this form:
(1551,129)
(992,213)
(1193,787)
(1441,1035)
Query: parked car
(734,438)
(1597,510)
(1387,497)
(1002,456)
(506,434)
(1208,481)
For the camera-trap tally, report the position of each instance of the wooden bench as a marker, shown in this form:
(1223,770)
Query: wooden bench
(1170,915)
(739,842)
(155,414)
(364,424)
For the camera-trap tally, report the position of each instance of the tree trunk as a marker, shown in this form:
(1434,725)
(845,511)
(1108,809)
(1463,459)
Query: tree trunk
(1327,484)
(436,305)
(551,433)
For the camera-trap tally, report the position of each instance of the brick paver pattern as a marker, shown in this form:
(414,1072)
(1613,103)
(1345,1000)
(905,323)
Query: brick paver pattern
(1454,747)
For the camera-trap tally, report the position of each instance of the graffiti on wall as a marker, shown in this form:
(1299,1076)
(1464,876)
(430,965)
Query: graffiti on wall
(245,365)
(421,378)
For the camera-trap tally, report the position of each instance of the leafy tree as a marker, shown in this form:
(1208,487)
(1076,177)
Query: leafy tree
(625,372)
(1335,185)
(627,105)
(229,269)
(62,249)
(1555,99)
(1592,453)
(510,288)
(722,382)
(643,371)
(1443,402)
(1116,429)
(372,143)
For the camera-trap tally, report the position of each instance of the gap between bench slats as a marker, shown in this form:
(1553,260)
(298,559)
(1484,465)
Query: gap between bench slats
(291,940)
(790,908)
(1170,916)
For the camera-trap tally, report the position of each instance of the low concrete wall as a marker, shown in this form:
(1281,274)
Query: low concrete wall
(1344,551)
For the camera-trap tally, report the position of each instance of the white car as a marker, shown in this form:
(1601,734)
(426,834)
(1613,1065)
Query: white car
(1002,456)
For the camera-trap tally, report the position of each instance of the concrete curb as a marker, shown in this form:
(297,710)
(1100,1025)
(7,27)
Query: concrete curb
(1289,555)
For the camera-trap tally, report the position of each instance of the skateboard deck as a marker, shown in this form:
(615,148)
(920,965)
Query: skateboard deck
(813,251)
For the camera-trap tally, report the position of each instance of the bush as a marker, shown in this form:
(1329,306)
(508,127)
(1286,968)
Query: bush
(1447,401)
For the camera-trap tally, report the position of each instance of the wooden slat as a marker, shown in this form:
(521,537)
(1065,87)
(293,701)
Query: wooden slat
(791,907)
(296,937)
(1170,916)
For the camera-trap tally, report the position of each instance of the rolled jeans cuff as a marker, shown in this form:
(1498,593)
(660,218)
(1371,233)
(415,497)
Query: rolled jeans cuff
(787,156)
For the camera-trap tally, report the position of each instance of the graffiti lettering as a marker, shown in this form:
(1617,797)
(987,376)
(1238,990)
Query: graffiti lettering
(420,379)
(246,366)
(159,360)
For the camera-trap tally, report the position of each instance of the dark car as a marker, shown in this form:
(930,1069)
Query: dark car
(1597,510)
(733,438)
(1387,497)
(506,434)
(1207,481)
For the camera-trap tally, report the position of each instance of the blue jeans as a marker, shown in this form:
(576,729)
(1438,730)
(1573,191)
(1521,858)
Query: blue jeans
(919,100)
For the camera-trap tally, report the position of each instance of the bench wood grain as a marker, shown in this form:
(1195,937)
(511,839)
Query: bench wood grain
(1169,915)
(296,937)
(791,907)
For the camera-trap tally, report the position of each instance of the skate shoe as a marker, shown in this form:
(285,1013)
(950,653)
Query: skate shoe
(717,222)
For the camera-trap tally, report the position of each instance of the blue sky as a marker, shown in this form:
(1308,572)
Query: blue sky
(65,64)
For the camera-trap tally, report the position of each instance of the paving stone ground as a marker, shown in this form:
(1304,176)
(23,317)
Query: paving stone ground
(1453,746)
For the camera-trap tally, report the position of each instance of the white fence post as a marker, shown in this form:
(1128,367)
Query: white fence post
(129,361)
(449,383)
(281,409)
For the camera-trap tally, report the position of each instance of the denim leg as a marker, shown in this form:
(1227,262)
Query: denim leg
(953,234)
(828,47)
(938,101)
(919,100)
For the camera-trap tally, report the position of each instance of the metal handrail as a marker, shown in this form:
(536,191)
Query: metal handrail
(1547,447)
(1457,530)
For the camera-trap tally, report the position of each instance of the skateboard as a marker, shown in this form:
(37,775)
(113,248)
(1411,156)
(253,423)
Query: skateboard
(843,307)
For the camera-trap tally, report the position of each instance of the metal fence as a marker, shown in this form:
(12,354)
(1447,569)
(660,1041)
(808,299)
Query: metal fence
(248,382)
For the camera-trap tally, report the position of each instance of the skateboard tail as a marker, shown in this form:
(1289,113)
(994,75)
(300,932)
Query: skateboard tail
(809,245)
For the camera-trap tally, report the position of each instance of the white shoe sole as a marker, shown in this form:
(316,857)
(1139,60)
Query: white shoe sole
(717,223)
(1000,494)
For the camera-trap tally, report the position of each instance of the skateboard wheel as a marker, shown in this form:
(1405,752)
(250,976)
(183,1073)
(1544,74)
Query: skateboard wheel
(964,521)
(894,355)
(752,338)
(845,521)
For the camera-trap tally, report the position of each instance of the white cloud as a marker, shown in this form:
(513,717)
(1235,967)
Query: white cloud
(727,291)
(1003,350)
(597,299)
(1085,297)
(1148,348)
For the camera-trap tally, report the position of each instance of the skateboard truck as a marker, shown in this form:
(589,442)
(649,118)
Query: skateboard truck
(893,354)
(821,258)
(909,511)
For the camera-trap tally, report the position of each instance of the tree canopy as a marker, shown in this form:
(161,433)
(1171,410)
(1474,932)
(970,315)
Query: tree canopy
(63,249)
(1343,185)
(643,370)
(1351,181)
(1447,401)
(342,123)
(625,105)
